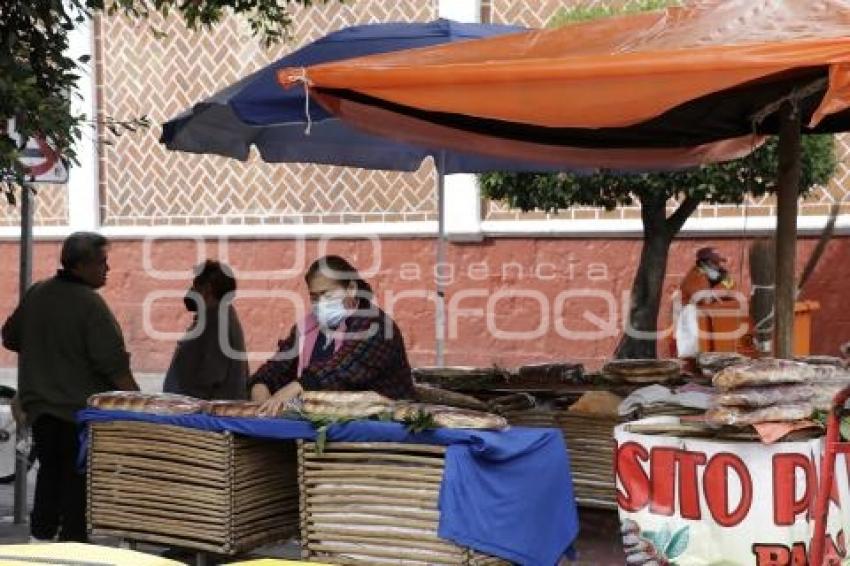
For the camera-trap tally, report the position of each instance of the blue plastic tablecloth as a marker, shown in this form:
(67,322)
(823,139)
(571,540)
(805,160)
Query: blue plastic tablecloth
(508,494)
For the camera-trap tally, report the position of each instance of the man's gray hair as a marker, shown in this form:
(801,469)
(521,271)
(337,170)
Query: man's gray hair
(81,247)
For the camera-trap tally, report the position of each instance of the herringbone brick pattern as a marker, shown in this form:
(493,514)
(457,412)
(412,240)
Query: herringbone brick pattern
(51,207)
(537,14)
(143,184)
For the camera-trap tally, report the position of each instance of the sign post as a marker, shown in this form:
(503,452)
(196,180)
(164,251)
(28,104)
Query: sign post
(24,282)
(43,165)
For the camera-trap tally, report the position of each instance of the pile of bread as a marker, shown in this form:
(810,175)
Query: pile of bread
(770,390)
(330,405)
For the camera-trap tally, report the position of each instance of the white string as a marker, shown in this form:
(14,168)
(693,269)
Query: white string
(303,79)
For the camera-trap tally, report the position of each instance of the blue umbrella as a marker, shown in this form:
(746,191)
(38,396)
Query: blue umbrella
(256,111)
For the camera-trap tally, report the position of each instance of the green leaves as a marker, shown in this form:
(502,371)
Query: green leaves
(678,543)
(670,545)
(37,77)
(584,13)
(844,428)
(419,422)
(722,183)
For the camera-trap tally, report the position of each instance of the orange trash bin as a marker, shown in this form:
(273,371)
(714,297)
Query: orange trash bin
(723,326)
(803,326)
(721,323)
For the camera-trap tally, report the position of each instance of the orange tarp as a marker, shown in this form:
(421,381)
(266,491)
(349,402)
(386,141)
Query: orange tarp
(612,73)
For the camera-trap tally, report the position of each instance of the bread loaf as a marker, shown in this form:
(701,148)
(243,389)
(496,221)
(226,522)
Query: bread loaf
(345,404)
(512,402)
(742,416)
(137,402)
(437,396)
(449,417)
(712,362)
(767,372)
(233,408)
(642,371)
(766,396)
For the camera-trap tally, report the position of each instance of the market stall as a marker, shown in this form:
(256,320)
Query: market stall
(466,494)
(738,483)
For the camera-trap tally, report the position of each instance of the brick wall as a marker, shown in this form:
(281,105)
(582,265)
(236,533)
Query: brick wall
(143,184)
(493,285)
(51,207)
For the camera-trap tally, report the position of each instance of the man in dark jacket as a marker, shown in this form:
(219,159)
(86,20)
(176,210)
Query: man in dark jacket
(69,347)
(209,362)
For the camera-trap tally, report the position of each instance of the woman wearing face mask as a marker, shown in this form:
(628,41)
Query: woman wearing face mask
(346,343)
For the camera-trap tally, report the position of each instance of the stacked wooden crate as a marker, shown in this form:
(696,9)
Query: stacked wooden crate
(375,503)
(590,442)
(200,490)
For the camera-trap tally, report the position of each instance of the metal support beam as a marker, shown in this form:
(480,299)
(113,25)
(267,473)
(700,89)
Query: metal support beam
(24,282)
(440,315)
(786,227)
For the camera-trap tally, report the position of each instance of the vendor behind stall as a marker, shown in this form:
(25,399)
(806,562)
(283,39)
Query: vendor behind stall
(709,306)
(346,343)
(203,365)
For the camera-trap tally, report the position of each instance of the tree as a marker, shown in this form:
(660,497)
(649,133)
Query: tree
(724,183)
(37,76)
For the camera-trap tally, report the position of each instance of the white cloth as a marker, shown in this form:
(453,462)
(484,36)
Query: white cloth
(687,332)
(658,394)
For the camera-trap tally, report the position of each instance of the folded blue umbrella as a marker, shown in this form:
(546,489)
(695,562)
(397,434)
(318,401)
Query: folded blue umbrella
(508,494)
(257,111)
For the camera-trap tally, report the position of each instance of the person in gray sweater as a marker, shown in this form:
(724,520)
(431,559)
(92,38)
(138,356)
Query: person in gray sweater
(69,347)
(209,361)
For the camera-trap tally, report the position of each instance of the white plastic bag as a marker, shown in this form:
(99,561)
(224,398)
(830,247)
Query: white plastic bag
(687,332)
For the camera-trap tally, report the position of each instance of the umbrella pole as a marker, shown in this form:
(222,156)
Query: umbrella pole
(25,278)
(440,315)
(786,227)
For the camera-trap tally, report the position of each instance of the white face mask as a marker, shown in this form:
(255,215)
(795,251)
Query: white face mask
(713,274)
(330,311)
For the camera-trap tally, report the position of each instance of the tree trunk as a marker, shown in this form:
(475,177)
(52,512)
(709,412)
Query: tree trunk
(640,339)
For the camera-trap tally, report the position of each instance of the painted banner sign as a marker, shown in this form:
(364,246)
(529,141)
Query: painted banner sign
(697,502)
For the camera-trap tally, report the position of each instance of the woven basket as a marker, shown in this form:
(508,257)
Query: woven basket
(590,441)
(200,490)
(375,503)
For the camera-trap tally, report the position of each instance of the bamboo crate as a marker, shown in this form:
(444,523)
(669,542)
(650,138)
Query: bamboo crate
(199,490)
(375,503)
(534,418)
(590,441)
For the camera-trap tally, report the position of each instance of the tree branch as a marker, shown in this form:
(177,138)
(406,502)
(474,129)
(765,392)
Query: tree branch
(681,215)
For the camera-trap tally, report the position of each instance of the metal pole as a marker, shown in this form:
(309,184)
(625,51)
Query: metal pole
(440,315)
(25,279)
(786,227)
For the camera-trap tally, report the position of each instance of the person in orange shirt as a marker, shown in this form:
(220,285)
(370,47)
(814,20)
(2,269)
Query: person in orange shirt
(711,313)
(707,275)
